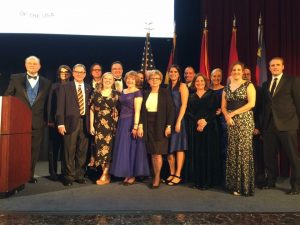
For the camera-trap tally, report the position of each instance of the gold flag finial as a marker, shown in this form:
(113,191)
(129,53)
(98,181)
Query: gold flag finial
(234,21)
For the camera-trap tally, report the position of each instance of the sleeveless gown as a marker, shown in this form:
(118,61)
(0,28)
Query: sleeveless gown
(178,141)
(240,163)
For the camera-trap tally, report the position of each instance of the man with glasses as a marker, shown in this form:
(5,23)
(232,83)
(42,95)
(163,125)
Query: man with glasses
(96,73)
(33,90)
(73,124)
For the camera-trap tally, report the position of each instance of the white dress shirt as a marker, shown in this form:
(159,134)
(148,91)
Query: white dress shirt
(278,79)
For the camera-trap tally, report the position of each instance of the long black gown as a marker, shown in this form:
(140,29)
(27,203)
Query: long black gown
(205,167)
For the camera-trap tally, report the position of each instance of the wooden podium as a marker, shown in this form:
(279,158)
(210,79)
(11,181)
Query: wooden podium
(15,145)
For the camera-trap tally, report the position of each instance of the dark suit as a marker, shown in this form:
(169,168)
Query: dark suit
(17,88)
(257,139)
(165,113)
(77,127)
(55,139)
(281,115)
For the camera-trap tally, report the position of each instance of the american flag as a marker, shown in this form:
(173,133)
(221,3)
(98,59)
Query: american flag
(147,59)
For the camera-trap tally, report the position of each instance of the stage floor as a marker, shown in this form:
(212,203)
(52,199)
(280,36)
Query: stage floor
(49,202)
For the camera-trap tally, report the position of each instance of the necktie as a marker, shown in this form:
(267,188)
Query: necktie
(273,86)
(31,77)
(80,100)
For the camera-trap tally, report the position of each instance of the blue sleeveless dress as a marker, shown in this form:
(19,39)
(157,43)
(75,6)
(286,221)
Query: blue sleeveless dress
(178,141)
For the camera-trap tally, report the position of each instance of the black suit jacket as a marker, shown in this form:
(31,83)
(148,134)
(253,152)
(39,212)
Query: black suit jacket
(17,88)
(68,108)
(284,106)
(165,113)
(257,110)
(52,102)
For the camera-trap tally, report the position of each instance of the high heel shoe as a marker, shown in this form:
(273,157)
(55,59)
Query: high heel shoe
(154,186)
(170,177)
(92,162)
(172,183)
(235,193)
(129,182)
(104,179)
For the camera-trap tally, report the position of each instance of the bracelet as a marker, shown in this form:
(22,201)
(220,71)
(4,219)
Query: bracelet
(168,126)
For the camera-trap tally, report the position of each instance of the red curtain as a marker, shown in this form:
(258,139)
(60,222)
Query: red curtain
(281,34)
(281,31)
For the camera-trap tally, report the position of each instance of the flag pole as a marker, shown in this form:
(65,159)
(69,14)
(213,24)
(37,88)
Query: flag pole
(148,28)
(204,60)
(172,55)
(233,52)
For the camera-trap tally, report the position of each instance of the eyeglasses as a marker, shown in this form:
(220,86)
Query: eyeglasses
(79,72)
(154,78)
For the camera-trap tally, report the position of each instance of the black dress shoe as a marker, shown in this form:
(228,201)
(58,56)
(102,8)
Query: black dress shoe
(293,191)
(67,183)
(268,186)
(81,181)
(203,188)
(53,177)
(33,180)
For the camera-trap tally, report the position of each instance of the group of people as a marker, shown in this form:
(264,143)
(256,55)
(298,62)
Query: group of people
(204,129)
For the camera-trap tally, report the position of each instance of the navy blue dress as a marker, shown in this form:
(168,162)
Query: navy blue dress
(178,141)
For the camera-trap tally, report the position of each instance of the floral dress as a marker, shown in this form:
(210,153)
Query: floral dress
(105,121)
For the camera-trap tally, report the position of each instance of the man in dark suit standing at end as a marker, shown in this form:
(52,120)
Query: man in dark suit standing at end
(73,123)
(281,114)
(32,89)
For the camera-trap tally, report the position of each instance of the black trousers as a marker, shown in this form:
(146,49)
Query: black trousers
(36,145)
(55,150)
(258,160)
(288,141)
(76,145)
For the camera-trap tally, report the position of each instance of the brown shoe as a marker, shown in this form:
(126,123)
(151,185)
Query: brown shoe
(104,179)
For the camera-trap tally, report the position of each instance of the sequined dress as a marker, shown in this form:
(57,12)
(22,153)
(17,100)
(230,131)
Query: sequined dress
(239,161)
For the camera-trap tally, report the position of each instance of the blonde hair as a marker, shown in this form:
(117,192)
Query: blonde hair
(155,72)
(100,86)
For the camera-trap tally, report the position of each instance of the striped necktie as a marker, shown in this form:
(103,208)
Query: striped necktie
(80,100)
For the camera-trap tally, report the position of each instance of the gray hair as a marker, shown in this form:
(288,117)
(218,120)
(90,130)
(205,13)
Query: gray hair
(32,57)
(79,65)
(215,70)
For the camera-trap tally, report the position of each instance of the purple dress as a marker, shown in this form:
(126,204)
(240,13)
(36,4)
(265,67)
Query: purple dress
(129,154)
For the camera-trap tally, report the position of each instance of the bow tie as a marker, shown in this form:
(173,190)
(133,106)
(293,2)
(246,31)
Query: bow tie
(118,79)
(31,77)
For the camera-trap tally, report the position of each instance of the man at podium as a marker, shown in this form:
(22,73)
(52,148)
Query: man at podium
(32,89)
